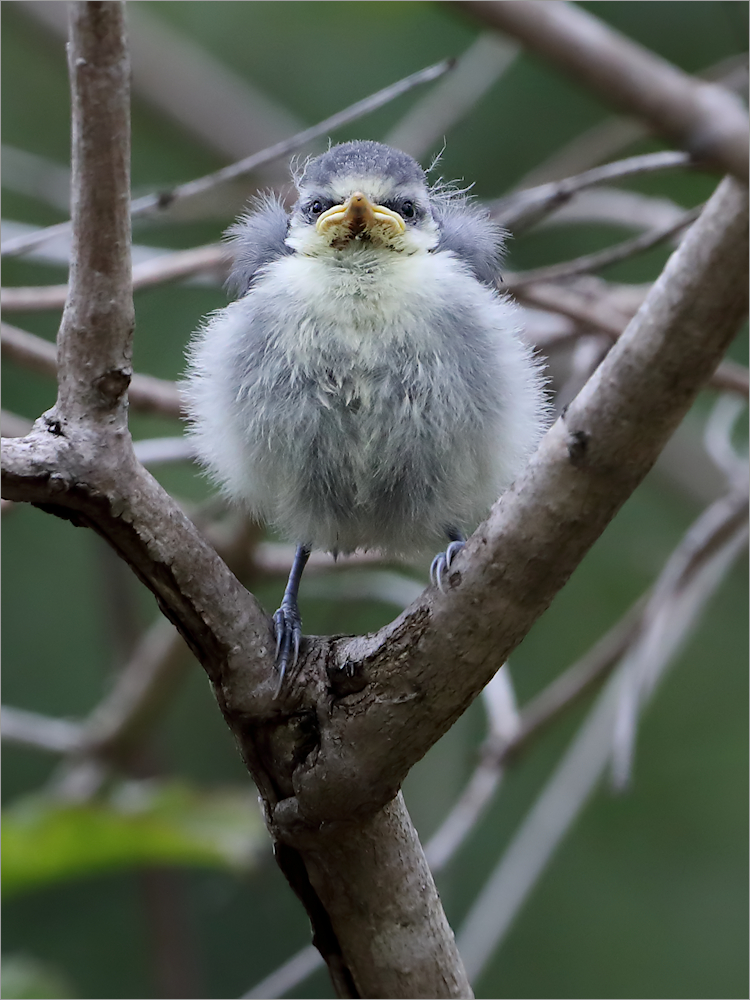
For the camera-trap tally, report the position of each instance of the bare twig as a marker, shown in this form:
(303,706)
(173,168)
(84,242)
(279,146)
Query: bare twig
(163,451)
(40,731)
(616,206)
(32,298)
(690,577)
(602,258)
(500,750)
(717,438)
(156,271)
(587,354)
(585,302)
(606,139)
(731,377)
(522,209)
(594,303)
(707,120)
(576,776)
(141,690)
(13,425)
(147,393)
(181,78)
(36,177)
(155,203)
(34,353)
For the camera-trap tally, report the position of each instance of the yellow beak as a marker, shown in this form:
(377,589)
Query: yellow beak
(358,214)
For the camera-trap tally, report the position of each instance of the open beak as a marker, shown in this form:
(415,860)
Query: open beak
(358,215)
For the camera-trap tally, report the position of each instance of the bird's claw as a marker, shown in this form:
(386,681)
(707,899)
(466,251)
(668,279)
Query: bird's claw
(288,628)
(442,563)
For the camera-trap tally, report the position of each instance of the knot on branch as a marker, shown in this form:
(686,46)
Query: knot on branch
(113,383)
(53,424)
(578,444)
(347,678)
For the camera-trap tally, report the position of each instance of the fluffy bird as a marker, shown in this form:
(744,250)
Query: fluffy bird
(369,387)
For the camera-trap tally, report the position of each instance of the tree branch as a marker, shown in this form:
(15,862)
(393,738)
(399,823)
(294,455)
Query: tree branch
(588,464)
(601,258)
(94,347)
(147,393)
(160,201)
(707,120)
(523,208)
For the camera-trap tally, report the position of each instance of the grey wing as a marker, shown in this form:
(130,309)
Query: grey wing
(256,239)
(468,231)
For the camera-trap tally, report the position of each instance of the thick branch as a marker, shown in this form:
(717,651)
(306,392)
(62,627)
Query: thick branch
(94,342)
(420,673)
(373,880)
(707,120)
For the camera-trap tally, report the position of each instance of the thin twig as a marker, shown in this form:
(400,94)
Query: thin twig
(732,377)
(522,209)
(155,203)
(577,774)
(606,139)
(40,731)
(616,206)
(14,425)
(596,304)
(146,393)
(587,303)
(602,258)
(717,438)
(156,271)
(690,577)
(188,84)
(534,719)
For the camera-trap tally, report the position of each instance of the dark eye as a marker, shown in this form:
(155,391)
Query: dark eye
(316,207)
(408,211)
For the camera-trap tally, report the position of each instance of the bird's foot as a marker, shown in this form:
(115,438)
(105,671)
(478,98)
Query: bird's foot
(288,628)
(442,563)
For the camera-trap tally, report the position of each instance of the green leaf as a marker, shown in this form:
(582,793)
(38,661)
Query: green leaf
(45,840)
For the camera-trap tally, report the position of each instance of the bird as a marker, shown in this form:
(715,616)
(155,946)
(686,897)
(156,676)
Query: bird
(369,386)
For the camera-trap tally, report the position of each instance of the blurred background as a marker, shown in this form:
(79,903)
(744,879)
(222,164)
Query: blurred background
(148,873)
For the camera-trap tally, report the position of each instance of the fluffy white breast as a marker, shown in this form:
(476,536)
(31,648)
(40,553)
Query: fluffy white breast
(368,299)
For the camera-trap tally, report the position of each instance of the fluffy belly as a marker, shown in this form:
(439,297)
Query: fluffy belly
(375,462)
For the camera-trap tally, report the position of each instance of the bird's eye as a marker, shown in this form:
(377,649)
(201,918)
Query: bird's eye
(316,207)
(408,211)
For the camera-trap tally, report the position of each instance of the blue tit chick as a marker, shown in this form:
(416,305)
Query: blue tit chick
(369,388)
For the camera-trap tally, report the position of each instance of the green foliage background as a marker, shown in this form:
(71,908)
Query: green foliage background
(648,895)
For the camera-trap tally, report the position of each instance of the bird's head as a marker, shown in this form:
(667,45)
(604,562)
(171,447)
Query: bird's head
(362,194)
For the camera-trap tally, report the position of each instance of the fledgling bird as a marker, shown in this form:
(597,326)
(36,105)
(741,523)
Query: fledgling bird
(369,388)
